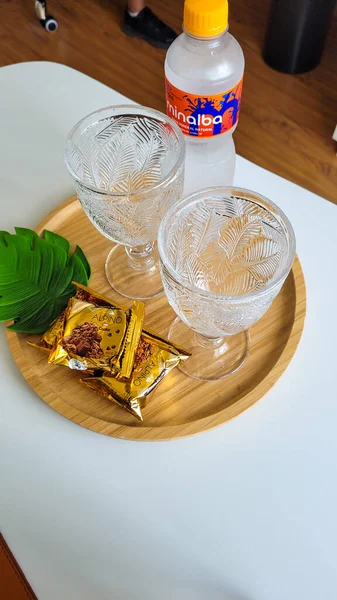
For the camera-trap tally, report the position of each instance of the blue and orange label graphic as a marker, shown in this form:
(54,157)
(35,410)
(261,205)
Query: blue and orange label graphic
(203,116)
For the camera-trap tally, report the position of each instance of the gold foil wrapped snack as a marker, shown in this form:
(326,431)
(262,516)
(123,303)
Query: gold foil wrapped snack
(155,358)
(98,334)
(51,336)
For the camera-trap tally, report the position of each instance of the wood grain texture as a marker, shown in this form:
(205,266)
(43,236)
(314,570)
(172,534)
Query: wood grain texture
(286,122)
(179,406)
(14,584)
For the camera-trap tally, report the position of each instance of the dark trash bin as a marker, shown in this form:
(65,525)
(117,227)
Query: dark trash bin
(296,33)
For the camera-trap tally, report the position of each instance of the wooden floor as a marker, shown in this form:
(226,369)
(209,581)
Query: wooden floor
(286,121)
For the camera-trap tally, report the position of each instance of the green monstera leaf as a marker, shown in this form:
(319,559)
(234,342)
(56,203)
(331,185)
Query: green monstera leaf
(36,277)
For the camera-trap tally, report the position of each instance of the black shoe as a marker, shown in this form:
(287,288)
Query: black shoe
(148,27)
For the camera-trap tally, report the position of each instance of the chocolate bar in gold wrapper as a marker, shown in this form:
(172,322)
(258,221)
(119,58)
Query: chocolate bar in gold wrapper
(98,334)
(155,358)
(49,338)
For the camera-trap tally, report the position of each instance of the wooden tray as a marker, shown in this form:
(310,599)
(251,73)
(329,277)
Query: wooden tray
(179,406)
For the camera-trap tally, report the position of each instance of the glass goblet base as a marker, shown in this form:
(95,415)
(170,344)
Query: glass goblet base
(139,282)
(210,359)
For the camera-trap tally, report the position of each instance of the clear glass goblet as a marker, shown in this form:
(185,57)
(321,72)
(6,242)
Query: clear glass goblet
(224,255)
(127,163)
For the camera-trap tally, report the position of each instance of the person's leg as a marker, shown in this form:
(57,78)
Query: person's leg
(139,21)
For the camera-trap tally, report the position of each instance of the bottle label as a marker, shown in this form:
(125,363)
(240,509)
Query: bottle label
(203,116)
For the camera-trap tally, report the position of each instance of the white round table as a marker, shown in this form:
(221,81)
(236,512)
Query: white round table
(244,512)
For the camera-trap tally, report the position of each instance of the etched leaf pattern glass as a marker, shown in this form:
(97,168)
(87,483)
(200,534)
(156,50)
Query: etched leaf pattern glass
(225,254)
(127,163)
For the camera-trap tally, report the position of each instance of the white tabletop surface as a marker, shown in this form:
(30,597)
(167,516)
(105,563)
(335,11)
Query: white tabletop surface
(244,512)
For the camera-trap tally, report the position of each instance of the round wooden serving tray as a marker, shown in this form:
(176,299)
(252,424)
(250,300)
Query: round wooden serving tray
(179,406)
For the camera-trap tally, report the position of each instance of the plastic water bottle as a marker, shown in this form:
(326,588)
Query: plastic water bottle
(204,75)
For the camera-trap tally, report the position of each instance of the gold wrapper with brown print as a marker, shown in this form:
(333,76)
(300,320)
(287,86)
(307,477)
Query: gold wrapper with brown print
(50,338)
(98,334)
(155,358)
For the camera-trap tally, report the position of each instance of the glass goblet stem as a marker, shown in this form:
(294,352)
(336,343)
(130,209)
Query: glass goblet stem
(141,258)
(208,342)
